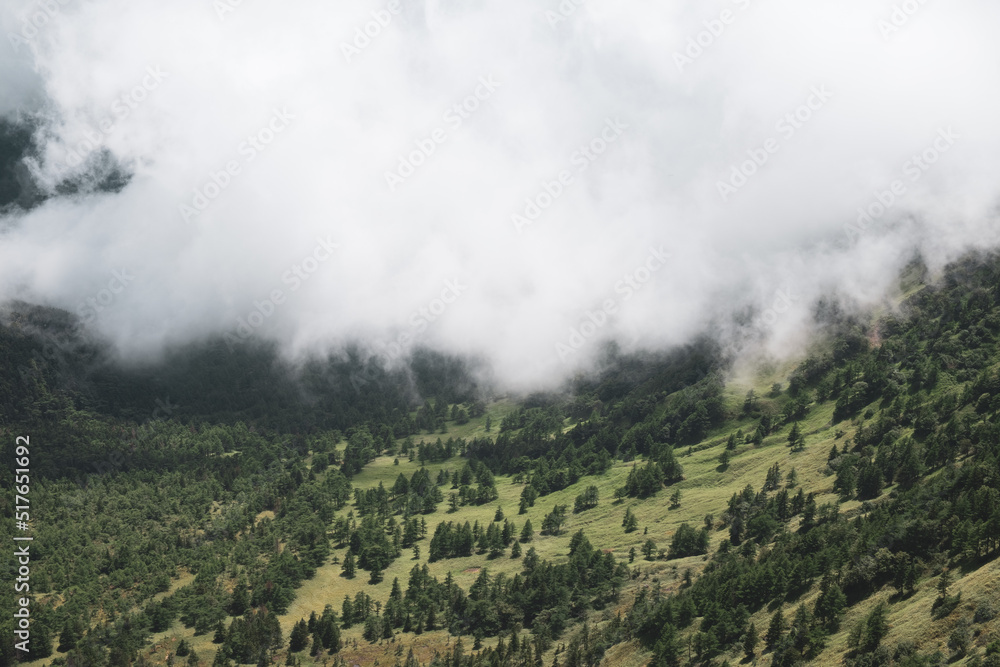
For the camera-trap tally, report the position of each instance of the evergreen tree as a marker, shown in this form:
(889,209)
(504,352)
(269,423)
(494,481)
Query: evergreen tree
(796,440)
(775,630)
(876,627)
(830,605)
(750,641)
(527,532)
(299,637)
(943,584)
(731,442)
(724,459)
(668,648)
(69,636)
(240,601)
(348,568)
(630,523)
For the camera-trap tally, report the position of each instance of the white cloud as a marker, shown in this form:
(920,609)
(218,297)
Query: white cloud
(657,184)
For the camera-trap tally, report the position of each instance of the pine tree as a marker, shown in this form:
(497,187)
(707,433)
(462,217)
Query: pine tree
(299,638)
(944,582)
(348,568)
(668,648)
(876,627)
(527,532)
(910,578)
(630,523)
(69,636)
(431,618)
(796,439)
(675,499)
(724,459)
(775,629)
(240,601)
(830,604)
(750,641)
(347,613)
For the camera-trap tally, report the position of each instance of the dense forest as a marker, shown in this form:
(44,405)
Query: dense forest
(200,496)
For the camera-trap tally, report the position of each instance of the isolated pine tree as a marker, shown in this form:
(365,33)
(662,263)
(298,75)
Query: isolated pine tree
(348,568)
(527,532)
(630,523)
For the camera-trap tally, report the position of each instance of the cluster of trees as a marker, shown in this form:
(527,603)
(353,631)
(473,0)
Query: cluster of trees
(454,541)
(253,638)
(320,633)
(586,500)
(543,597)
(646,480)
(688,541)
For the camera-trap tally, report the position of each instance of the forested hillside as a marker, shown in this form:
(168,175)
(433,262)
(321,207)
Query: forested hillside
(221,507)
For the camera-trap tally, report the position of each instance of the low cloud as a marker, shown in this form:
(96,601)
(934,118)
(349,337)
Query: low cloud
(532,153)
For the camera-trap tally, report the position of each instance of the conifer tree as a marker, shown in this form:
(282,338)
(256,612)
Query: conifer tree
(775,630)
(349,567)
(750,641)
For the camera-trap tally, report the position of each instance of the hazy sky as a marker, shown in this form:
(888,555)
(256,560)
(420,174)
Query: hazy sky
(493,177)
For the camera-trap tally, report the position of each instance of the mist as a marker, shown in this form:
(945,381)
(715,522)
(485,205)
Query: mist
(519,181)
